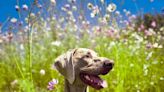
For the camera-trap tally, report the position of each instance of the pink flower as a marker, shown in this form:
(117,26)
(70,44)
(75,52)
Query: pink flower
(142,26)
(110,33)
(153,24)
(148,33)
(139,29)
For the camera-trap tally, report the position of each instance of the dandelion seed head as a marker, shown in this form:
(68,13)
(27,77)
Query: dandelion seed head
(25,7)
(13,20)
(71,1)
(90,6)
(53,1)
(74,8)
(92,15)
(56,43)
(117,13)
(17,8)
(42,72)
(102,1)
(111,7)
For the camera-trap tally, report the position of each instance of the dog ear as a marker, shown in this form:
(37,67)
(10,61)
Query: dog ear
(64,64)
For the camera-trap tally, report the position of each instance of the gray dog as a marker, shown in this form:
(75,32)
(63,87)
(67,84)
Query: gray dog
(82,67)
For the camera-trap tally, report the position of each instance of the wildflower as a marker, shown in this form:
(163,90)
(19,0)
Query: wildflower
(25,7)
(92,15)
(124,10)
(20,23)
(56,43)
(63,9)
(111,7)
(161,78)
(74,8)
(32,15)
(102,1)
(42,72)
(111,33)
(161,29)
(17,8)
(139,29)
(1,40)
(53,1)
(71,1)
(127,13)
(10,36)
(13,20)
(149,45)
(148,33)
(151,83)
(148,57)
(156,45)
(90,6)
(142,26)
(107,17)
(95,11)
(39,6)
(67,6)
(51,84)
(14,82)
(153,24)
(132,17)
(21,46)
(117,13)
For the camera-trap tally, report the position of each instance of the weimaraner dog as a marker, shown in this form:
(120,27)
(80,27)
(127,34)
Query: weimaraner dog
(82,67)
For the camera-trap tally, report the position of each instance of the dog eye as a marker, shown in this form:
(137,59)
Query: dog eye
(96,60)
(87,56)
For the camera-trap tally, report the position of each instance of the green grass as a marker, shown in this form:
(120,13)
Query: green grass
(131,73)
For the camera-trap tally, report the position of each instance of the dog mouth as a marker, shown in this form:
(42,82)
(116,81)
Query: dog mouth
(93,80)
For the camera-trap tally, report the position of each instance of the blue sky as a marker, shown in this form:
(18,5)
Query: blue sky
(7,7)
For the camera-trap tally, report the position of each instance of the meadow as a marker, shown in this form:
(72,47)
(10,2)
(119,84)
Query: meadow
(29,45)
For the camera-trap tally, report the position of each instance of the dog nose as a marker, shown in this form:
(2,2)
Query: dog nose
(108,64)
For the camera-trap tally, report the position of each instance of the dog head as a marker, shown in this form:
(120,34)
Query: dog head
(83,66)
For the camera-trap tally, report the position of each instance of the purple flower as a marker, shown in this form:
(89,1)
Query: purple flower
(149,45)
(51,84)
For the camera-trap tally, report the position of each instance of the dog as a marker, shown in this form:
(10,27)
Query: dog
(81,67)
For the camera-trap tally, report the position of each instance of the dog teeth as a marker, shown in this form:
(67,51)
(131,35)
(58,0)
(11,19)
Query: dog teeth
(87,77)
(91,80)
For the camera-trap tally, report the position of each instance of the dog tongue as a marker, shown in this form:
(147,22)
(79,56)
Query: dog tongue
(94,81)
(97,82)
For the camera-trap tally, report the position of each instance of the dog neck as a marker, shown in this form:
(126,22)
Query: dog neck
(74,87)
